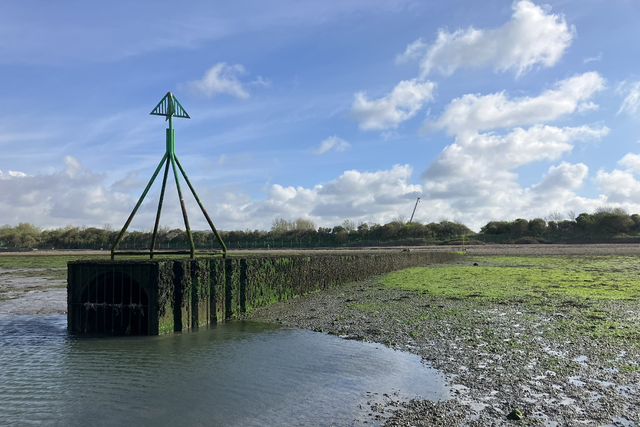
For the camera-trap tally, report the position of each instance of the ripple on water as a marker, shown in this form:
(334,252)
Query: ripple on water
(235,374)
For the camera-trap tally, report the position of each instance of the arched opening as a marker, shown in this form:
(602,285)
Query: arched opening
(114,303)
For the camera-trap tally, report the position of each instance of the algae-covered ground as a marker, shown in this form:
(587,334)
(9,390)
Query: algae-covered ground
(550,339)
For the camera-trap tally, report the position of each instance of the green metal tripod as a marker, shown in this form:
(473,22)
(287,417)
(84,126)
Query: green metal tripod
(168,107)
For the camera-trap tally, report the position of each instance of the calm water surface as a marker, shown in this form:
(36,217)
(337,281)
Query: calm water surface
(234,374)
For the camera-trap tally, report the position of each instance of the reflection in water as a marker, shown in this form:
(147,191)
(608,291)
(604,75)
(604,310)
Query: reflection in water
(234,374)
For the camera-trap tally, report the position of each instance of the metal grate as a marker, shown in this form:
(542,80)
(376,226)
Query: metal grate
(112,302)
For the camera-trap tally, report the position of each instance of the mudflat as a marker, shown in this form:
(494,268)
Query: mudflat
(531,335)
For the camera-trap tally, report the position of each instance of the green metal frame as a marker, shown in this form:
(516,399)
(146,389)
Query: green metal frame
(170,108)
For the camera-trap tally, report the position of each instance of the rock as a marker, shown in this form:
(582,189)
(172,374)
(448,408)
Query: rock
(515,415)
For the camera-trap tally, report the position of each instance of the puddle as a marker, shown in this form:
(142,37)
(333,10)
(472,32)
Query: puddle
(234,374)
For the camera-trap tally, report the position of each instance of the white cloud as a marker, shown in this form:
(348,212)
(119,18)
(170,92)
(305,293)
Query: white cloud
(73,195)
(476,176)
(259,81)
(585,107)
(359,196)
(221,78)
(631,161)
(475,112)
(561,180)
(622,187)
(592,59)
(463,189)
(77,196)
(475,163)
(74,167)
(618,186)
(631,92)
(338,144)
(401,104)
(532,36)
(13,174)
(129,182)
(278,193)
(414,51)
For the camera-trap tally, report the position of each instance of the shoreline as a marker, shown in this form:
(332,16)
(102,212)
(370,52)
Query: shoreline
(498,357)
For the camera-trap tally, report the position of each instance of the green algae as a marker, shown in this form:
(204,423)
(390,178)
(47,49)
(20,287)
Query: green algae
(499,278)
(44,261)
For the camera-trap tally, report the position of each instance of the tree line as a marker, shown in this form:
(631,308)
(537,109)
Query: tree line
(606,222)
(283,233)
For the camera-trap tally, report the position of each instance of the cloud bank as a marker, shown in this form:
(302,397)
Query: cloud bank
(532,37)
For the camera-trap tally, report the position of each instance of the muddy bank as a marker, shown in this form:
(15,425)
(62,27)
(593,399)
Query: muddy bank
(542,360)
(505,360)
(32,291)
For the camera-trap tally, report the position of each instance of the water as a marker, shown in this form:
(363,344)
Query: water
(234,374)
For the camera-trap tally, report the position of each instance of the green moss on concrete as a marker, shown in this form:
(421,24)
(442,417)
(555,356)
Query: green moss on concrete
(185,294)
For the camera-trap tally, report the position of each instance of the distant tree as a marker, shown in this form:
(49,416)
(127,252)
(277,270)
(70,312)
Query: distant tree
(554,216)
(614,210)
(586,221)
(363,229)
(342,236)
(537,227)
(391,230)
(338,229)
(449,229)
(281,225)
(612,223)
(519,227)
(304,224)
(567,225)
(349,225)
(324,230)
(400,219)
(496,227)
(572,215)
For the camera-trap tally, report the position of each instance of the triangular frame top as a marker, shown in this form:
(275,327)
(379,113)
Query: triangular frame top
(170,107)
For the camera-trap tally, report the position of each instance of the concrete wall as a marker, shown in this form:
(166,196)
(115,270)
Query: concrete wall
(182,294)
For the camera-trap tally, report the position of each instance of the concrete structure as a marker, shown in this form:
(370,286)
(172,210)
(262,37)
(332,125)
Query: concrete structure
(151,297)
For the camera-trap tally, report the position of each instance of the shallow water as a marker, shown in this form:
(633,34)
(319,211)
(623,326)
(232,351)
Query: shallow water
(233,374)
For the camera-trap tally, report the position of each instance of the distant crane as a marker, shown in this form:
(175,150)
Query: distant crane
(414,210)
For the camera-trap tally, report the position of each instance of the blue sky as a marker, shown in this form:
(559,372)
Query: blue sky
(321,110)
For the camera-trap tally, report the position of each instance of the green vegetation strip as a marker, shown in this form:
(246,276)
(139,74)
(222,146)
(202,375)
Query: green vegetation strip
(529,278)
(44,261)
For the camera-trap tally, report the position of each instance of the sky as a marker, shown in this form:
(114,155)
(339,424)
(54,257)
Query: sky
(328,111)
